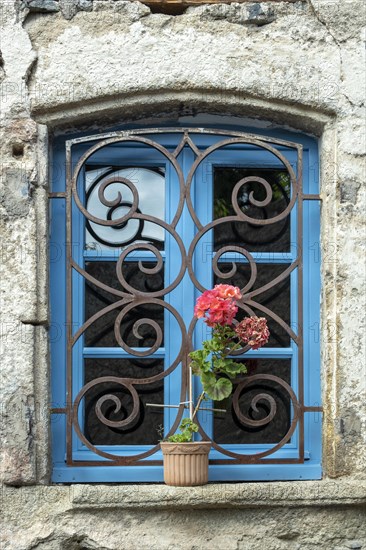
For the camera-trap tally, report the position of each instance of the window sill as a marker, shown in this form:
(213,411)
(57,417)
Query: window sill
(237,495)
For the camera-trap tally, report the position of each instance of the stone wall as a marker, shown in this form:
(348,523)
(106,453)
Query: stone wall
(87,65)
(275,516)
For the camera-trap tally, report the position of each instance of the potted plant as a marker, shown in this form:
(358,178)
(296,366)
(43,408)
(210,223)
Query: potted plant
(185,460)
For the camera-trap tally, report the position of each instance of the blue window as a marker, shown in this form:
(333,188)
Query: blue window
(142,222)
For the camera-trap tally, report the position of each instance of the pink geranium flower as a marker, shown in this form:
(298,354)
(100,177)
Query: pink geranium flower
(203,303)
(253,331)
(221,312)
(218,306)
(228,292)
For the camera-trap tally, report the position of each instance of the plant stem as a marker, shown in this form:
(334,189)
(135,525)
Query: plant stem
(200,399)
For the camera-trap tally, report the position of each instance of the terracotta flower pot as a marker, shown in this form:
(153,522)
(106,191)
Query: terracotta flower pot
(186,464)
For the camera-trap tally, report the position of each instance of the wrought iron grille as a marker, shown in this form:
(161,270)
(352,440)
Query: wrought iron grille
(117,211)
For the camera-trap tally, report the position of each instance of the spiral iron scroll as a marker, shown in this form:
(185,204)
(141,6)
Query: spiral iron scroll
(128,297)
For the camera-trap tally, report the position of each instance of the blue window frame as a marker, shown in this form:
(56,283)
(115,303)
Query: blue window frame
(142,222)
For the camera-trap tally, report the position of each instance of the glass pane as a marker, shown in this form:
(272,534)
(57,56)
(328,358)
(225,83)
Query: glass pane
(147,427)
(229,428)
(101,332)
(116,200)
(272,237)
(277,298)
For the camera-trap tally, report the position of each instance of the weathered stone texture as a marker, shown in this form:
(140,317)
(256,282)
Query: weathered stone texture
(98,64)
(226,56)
(42,6)
(276,516)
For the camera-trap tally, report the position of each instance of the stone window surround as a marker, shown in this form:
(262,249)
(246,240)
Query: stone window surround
(56,510)
(212,496)
(37,468)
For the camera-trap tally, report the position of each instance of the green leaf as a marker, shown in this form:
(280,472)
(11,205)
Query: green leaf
(187,427)
(205,367)
(178,438)
(199,363)
(198,355)
(219,364)
(216,389)
(243,369)
(208,380)
(187,423)
(196,369)
(232,368)
(212,345)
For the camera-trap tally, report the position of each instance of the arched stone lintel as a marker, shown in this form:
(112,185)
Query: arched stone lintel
(150,107)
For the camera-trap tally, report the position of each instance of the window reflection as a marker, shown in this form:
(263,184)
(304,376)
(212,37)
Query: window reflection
(272,237)
(228,428)
(150,186)
(146,428)
(101,332)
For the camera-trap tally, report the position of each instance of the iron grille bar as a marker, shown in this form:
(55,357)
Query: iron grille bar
(300,303)
(57,195)
(312,197)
